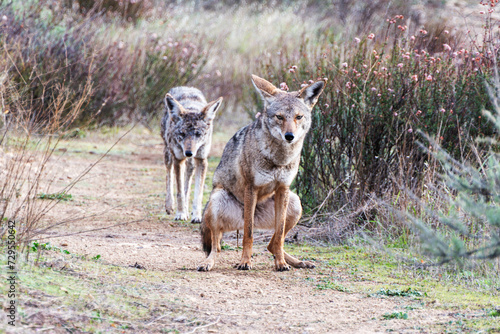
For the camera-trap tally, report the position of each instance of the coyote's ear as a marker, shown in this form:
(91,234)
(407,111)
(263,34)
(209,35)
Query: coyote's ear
(266,89)
(211,108)
(173,106)
(311,93)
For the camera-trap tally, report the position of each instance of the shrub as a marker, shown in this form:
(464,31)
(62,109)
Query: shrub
(130,10)
(469,228)
(46,48)
(382,89)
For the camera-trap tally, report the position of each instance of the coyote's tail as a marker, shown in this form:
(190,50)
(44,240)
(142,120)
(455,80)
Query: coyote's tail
(206,237)
(206,233)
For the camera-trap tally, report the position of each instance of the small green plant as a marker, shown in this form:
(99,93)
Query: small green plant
(410,292)
(56,196)
(395,315)
(494,313)
(36,246)
(225,246)
(95,258)
(330,285)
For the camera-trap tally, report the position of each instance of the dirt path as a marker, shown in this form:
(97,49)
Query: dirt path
(128,186)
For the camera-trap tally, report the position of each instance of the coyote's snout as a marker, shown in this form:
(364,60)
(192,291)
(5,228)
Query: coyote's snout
(186,128)
(254,175)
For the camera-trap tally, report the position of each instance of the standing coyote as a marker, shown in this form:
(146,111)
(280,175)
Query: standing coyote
(186,128)
(251,183)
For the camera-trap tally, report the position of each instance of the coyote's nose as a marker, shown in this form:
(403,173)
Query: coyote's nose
(289,136)
(188,153)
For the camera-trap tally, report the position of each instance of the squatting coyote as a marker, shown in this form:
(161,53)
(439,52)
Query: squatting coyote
(251,183)
(186,128)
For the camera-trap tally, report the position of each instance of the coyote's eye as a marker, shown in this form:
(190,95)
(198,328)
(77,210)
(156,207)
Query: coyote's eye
(197,134)
(279,117)
(299,116)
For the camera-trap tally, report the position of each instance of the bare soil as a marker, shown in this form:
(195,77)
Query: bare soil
(128,187)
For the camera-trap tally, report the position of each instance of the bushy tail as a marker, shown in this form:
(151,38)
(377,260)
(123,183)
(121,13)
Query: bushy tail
(206,237)
(206,233)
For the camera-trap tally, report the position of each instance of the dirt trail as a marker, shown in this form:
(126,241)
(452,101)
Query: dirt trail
(131,181)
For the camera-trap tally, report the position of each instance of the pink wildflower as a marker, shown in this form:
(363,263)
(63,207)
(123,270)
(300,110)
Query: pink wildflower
(283,86)
(371,36)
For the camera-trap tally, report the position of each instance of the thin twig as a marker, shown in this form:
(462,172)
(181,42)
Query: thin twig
(204,326)
(84,231)
(161,317)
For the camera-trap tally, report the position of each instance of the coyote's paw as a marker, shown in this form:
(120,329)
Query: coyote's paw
(169,210)
(196,220)
(282,266)
(206,266)
(181,216)
(243,266)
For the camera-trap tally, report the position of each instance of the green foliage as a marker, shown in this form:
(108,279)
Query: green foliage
(225,246)
(395,315)
(400,293)
(36,246)
(494,313)
(56,196)
(470,229)
(328,284)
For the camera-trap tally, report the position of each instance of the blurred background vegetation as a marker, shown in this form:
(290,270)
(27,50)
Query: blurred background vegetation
(406,81)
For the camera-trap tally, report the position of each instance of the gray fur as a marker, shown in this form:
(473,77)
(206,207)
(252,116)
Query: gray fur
(186,127)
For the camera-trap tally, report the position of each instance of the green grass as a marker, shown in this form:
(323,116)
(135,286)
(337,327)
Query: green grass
(395,315)
(362,269)
(409,292)
(56,196)
(96,297)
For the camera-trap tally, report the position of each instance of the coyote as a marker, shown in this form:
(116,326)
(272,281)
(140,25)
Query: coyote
(186,128)
(251,183)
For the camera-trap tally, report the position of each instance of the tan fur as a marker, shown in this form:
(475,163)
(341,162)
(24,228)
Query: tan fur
(251,183)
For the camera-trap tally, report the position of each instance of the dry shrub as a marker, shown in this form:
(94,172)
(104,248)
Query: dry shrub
(382,89)
(27,147)
(129,10)
(131,69)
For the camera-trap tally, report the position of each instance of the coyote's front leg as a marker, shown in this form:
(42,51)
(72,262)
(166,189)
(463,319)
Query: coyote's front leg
(281,199)
(199,182)
(169,198)
(250,201)
(179,167)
